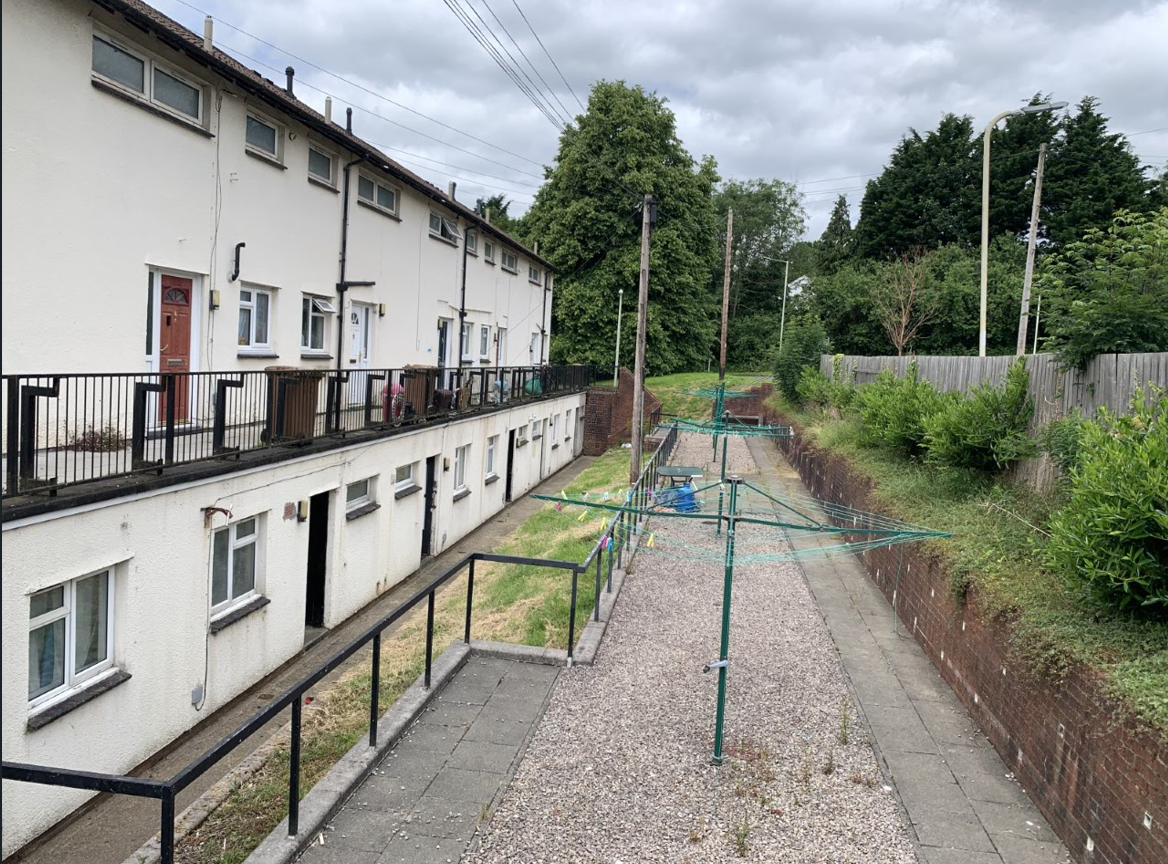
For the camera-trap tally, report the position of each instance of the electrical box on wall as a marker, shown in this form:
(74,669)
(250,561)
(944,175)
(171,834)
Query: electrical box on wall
(214,299)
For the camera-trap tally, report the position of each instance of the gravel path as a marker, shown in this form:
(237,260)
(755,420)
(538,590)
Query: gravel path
(619,768)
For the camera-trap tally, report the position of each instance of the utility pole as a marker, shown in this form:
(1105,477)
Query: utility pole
(616,360)
(639,365)
(1023,320)
(783,316)
(726,293)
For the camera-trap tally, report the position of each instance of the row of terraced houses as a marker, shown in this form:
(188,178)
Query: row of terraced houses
(255,371)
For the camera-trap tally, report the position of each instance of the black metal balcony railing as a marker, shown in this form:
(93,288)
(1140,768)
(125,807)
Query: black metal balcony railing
(60,430)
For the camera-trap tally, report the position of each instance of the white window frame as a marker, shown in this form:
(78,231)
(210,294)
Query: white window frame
(331,180)
(446,230)
(368,497)
(234,544)
(568,425)
(278,156)
(318,307)
(501,341)
(373,202)
(461,457)
(467,330)
(73,679)
(513,267)
(401,485)
(553,427)
(534,275)
(252,345)
(534,429)
(489,458)
(472,243)
(484,342)
(146,95)
(489,251)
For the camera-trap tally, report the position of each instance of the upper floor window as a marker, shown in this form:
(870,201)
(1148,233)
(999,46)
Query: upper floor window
(263,137)
(377,195)
(484,341)
(313,312)
(510,263)
(255,308)
(489,251)
(534,274)
(165,88)
(443,228)
(70,635)
(472,243)
(321,166)
(234,562)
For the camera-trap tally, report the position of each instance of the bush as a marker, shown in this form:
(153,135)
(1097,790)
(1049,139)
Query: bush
(987,431)
(1111,538)
(805,340)
(813,388)
(1062,441)
(894,409)
(107,440)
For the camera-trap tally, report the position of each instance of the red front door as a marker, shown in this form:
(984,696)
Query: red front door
(175,341)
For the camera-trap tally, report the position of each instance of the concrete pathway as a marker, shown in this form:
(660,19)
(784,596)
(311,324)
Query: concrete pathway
(426,799)
(961,800)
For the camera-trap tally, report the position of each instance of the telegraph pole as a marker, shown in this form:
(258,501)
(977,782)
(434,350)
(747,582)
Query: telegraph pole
(639,366)
(726,293)
(1023,320)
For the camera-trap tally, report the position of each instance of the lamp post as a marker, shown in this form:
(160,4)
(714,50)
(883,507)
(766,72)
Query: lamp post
(786,282)
(620,305)
(985,208)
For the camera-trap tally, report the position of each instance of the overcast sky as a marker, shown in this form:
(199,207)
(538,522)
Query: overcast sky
(817,93)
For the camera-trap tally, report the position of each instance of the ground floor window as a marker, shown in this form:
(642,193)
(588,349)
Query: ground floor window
(234,562)
(461,456)
(404,479)
(359,494)
(70,634)
(492,446)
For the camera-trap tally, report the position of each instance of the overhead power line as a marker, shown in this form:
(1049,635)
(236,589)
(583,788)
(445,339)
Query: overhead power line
(549,56)
(565,113)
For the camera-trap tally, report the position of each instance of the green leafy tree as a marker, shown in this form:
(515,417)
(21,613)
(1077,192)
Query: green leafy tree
(586,219)
(1091,174)
(843,302)
(497,206)
(1109,292)
(803,343)
(837,244)
(1014,159)
(1158,194)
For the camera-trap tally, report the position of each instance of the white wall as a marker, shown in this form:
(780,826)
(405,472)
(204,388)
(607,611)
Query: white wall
(160,547)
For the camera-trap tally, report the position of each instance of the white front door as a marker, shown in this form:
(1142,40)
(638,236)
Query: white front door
(358,365)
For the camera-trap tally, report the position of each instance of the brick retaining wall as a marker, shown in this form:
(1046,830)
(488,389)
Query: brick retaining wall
(608,414)
(1094,777)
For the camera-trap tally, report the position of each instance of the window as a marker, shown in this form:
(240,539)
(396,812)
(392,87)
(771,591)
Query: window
(555,424)
(404,478)
(461,456)
(320,166)
(129,70)
(510,264)
(466,331)
(492,446)
(312,322)
(70,635)
(534,428)
(377,195)
(484,341)
(262,137)
(568,425)
(255,308)
(443,228)
(472,243)
(534,274)
(359,494)
(489,251)
(234,562)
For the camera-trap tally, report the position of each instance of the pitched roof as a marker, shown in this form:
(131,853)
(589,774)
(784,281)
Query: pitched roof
(190,43)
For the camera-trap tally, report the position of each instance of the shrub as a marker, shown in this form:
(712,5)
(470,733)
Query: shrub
(1062,441)
(1111,538)
(987,431)
(105,440)
(805,340)
(813,388)
(894,409)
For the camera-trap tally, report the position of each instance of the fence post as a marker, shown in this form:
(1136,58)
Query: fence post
(572,617)
(599,556)
(375,691)
(171,398)
(166,834)
(294,770)
(469,600)
(13,457)
(429,635)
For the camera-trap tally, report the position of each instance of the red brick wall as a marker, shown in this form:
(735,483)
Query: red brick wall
(608,414)
(1092,775)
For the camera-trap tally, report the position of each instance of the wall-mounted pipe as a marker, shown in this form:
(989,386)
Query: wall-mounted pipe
(235,272)
(290,73)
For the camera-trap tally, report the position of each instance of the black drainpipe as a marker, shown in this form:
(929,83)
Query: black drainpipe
(342,285)
(543,319)
(462,307)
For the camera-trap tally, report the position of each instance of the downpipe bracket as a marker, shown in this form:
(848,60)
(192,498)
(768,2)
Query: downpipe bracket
(717,664)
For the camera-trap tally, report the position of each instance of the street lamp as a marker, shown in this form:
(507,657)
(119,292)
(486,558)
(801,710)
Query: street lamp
(783,315)
(985,207)
(616,360)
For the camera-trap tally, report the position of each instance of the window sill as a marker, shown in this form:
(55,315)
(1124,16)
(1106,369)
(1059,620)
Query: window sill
(243,353)
(489,261)
(522,442)
(324,184)
(490,478)
(554,446)
(459,494)
(308,355)
(442,239)
(536,437)
(103,684)
(226,619)
(533,282)
(146,106)
(380,211)
(363,510)
(407,491)
(509,270)
(472,252)
(265,157)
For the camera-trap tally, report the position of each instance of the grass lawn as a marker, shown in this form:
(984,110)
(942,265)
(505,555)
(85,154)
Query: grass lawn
(995,560)
(526,605)
(671,390)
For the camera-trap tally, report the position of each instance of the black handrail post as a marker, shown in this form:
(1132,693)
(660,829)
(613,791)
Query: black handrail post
(572,617)
(12,467)
(469,600)
(294,770)
(171,399)
(166,834)
(375,691)
(596,604)
(429,635)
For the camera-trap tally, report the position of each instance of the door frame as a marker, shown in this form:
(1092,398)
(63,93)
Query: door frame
(358,380)
(328,498)
(510,463)
(429,505)
(154,359)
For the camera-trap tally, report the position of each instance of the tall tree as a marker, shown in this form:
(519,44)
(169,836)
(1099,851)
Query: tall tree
(587,222)
(1013,160)
(901,298)
(837,243)
(1091,174)
(927,196)
(496,206)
